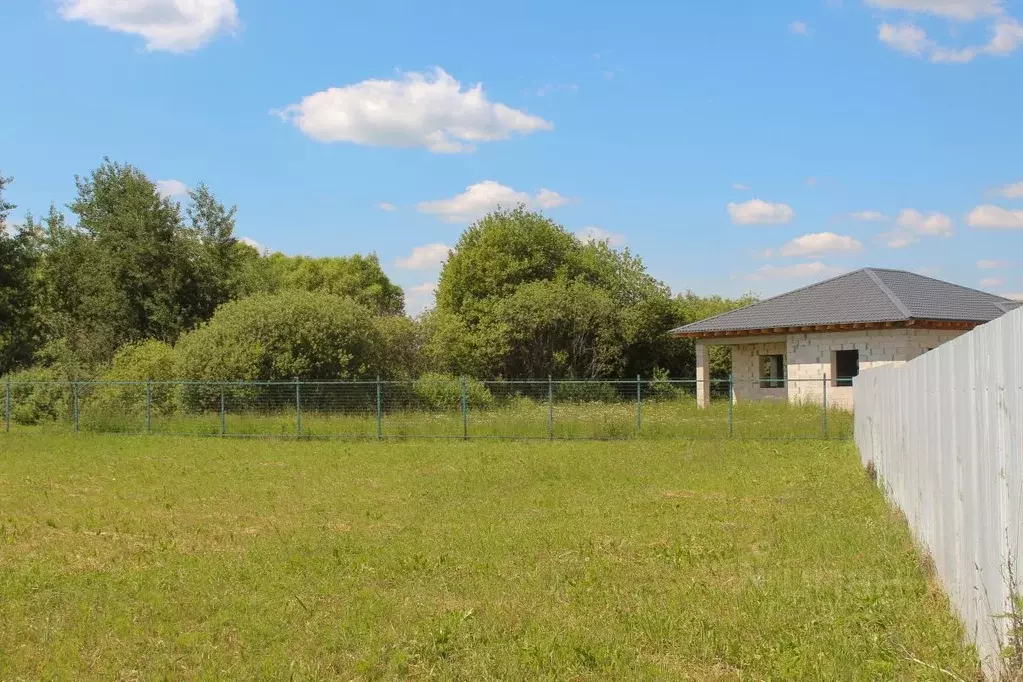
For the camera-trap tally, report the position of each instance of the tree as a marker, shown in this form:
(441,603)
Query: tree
(19,327)
(132,269)
(521,296)
(213,259)
(358,277)
(125,262)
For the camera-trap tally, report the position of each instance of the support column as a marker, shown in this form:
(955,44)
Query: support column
(702,375)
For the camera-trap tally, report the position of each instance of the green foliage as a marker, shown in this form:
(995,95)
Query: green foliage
(39,394)
(558,328)
(587,392)
(141,362)
(358,277)
(277,337)
(403,347)
(522,297)
(19,323)
(444,391)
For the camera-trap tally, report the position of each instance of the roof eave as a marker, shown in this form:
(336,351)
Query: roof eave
(964,325)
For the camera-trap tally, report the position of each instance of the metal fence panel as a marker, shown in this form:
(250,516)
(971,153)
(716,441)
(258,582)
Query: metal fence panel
(945,434)
(430,407)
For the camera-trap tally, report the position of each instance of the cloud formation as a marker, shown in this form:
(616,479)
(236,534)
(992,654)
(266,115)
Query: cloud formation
(816,270)
(479,199)
(171,188)
(428,110)
(989,217)
(592,234)
(758,212)
(169,25)
(428,257)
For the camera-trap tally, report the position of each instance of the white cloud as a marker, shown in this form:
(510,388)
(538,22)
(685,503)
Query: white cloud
(906,38)
(254,244)
(387,207)
(428,257)
(798,271)
(1015,297)
(818,244)
(991,264)
(429,110)
(1006,38)
(171,188)
(899,240)
(992,282)
(596,234)
(740,187)
(171,25)
(757,212)
(1012,191)
(965,10)
(912,224)
(546,198)
(869,216)
(419,297)
(991,217)
(933,224)
(799,28)
(477,200)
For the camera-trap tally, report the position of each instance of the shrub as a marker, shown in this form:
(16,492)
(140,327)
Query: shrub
(39,394)
(278,337)
(444,391)
(136,363)
(586,392)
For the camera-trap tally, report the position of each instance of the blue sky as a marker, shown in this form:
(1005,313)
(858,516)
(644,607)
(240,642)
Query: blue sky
(735,146)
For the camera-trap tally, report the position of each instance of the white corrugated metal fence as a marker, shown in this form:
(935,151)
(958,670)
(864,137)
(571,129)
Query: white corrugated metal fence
(945,434)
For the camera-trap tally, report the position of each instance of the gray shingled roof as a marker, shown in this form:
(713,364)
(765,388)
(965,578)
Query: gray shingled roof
(867,295)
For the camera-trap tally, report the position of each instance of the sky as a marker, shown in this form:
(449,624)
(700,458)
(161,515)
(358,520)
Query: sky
(736,146)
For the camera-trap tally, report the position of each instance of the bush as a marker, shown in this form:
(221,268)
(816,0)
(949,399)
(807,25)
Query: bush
(444,391)
(278,337)
(39,394)
(587,392)
(140,362)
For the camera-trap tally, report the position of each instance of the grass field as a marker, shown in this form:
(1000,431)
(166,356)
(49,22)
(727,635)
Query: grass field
(139,558)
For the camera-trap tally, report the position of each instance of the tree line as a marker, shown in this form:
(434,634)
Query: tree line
(138,286)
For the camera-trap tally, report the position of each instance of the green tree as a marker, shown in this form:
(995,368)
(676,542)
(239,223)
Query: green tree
(121,269)
(358,277)
(521,296)
(19,324)
(213,260)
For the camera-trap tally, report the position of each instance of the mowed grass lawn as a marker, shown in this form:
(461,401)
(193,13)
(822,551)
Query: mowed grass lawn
(138,558)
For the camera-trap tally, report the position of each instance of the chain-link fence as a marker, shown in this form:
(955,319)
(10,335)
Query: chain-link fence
(432,408)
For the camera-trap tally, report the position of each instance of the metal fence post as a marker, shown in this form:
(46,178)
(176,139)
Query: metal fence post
(380,410)
(7,406)
(223,414)
(731,405)
(149,406)
(639,405)
(825,403)
(550,408)
(465,413)
(298,406)
(74,391)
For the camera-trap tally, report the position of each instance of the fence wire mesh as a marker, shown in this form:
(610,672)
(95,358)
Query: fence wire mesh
(432,408)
